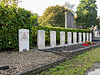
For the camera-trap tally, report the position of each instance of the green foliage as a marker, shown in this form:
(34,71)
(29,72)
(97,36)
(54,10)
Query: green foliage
(98,22)
(69,6)
(9,2)
(77,65)
(54,16)
(11,20)
(47,32)
(87,13)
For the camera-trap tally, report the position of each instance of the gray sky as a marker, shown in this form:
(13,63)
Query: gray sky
(39,6)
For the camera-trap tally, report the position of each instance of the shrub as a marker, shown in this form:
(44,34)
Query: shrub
(11,20)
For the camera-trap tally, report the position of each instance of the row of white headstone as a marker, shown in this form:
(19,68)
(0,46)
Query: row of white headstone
(24,38)
(41,38)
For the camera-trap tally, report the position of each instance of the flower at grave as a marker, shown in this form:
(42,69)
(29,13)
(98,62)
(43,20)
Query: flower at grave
(85,44)
(93,43)
(88,42)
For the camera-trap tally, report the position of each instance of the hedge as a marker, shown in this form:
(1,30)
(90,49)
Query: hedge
(10,35)
(47,32)
(11,20)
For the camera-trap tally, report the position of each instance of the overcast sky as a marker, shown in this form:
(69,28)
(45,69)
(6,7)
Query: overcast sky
(39,6)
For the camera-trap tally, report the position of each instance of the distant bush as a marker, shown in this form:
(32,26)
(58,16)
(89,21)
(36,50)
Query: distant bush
(11,20)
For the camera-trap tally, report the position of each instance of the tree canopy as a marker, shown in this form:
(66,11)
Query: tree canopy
(69,6)
(9,2)
(54,16)
(87,13)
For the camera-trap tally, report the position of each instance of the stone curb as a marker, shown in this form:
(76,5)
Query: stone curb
(33,71)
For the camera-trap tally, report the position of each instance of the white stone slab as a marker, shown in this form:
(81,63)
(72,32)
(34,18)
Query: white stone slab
(90,36)
(96,34)
(83,37)
(62,38)
(23,39)
(95,72)
(80,37)
(41,39)
(87,37)
(53,38)
(74,37)
(69,37)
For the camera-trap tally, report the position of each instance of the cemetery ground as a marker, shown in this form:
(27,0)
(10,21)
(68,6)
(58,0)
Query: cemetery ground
(77,65)
(22,61)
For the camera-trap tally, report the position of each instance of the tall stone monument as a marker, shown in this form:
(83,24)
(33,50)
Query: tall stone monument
(23,39)
(69,20)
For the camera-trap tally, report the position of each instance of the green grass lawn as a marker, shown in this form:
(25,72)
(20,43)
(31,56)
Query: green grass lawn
(77,65)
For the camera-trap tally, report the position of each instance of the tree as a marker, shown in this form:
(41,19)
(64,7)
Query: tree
(69,6)
(54,16)
(98,22)
(87,13)
(9,2)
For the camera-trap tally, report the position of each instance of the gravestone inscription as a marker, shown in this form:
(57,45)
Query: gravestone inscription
(23,39)
(62,38)
(41,39)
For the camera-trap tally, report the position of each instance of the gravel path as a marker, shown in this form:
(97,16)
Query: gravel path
(21,61)
(96,72)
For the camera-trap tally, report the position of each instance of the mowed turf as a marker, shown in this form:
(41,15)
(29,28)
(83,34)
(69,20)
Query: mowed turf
(77,65)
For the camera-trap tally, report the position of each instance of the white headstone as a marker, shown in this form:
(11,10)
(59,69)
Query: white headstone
(53,38)
(80,37)
(87,37)
(83,37)
(23,39)
(96,34)
(62,38)
(69,37)
(74,37)
(90,36)
(41,39)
